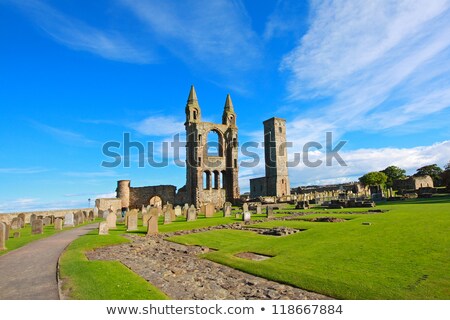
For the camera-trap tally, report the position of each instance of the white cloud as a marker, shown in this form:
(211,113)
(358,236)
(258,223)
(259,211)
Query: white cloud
(217,34)
(78,35)
(159,126)
(372,61)
(64,135)
(31,170)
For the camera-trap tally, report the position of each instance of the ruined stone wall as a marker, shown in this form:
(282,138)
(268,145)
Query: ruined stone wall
(7,217)
(258,187)
(108,203)
(413,183)
(140,196)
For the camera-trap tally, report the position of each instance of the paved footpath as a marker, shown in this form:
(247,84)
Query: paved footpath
(29,273)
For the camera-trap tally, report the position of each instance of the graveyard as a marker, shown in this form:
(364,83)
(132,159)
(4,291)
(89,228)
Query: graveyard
(397,252)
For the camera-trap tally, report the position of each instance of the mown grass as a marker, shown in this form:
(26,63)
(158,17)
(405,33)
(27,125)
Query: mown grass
(403,254)
(101,280)
(26,236)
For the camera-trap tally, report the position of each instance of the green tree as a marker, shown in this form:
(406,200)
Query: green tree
(445,175)
(393,173)
(375,178)
(431,170)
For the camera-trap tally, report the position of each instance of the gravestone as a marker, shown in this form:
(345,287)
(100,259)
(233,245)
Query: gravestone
(227,209)
(103,228)
(7,228)
(203,209)
(245,207)
(95,212)
(145,219)
(3,236)
(209,210)
(21,217)
(91,215)
(191,214)
(37,227)
(269,212)
(68,220)
(152,225)
(143,210)
(148,208)
(132,221)
(246,217)
(185,209)
(15,223)
(258,208)
(47,221)
(58,224)
(167,217)
(111,220)
(177,211)
(32,217)
(171,212)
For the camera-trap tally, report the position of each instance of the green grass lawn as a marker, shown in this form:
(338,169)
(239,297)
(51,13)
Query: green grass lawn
(403,254)
(26,236)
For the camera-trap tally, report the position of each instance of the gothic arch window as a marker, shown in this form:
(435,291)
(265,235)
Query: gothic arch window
(223,175)
(213,144)
(216,180)
(194,115)
(206,180)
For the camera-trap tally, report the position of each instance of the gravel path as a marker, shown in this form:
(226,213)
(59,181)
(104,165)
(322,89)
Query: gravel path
(29,273)
(178,271)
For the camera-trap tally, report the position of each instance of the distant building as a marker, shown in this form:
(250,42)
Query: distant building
(276,181)
(413,183)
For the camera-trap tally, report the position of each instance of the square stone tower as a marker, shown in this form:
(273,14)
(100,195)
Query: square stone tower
(211,155)
(275,154)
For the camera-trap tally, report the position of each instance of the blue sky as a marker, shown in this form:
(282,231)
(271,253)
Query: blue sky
(77,74)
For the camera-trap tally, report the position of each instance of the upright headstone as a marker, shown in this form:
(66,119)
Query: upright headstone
(103,228)
(203,209)
(209,210)
(152,225)
(37,227)
(192,213)
(47,221)
(246,217)
(269,211)
(171,212)
(185,209)
(21,217)
(111,220)
(145,219)
(7,228)
(132,221)
(177,211)
(15,223)
(227,209)
(32,217)
(167,217)
(143,210)
(69,220)
(58,224)
(95,212)
(3,236)
(148,208)
(258,208)
(245,207)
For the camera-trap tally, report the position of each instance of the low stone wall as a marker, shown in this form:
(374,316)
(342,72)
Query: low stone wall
(7,217)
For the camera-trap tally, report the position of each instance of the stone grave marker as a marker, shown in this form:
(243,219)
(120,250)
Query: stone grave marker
(3,236)
(245,207)
(37,227)
(269,212)
(132,221)
(145,219)
(143,210)
(21,217)
(177,211)
(185,209)
(103,228)
(7,230)
(209,210)
(58,224)
(167,217)
(152,226)
(96,212)
(227,209)
(69,220)
(32,217)
(15,223)
(191,214)
(47,221)
(246,217)
(258,208)
(111,220)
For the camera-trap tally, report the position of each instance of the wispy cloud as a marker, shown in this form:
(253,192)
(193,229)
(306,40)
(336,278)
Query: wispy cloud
(91,174)
(216,34)
(78,35)
(31,170)
(371,61)
(64,135)
(159,126)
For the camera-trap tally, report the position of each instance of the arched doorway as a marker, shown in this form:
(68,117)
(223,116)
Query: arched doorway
(156,202)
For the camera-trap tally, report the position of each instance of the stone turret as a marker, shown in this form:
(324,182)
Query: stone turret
(229,116)
(123,192)
(193,113)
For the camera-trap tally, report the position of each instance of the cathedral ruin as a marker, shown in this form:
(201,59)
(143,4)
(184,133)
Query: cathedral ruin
(211,164)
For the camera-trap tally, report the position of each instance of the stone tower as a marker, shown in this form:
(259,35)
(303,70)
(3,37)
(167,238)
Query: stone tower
(211,177)
(123,192)
(275,154)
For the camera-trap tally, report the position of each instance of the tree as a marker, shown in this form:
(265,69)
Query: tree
(393,173)
(375,178)
(445,175)
(431,170)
